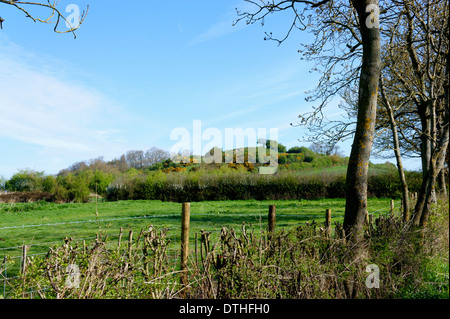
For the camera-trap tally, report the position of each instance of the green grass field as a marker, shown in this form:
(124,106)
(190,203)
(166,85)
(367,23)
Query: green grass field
(42,225)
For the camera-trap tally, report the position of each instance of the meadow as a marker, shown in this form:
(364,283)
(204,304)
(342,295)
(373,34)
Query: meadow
(237,262)
(41,225)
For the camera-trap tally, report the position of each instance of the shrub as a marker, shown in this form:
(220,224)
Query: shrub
(49,184)
(309,158)
(76,187)
(414,180)
(99,182)
(28,197)
(236,183)
(25,181)
(384,185)
(337,188)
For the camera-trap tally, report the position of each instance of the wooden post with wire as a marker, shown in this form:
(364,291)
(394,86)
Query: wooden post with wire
(272,218)
(185,225)
(24,258)
(328,222)
(196,249)
(130,243)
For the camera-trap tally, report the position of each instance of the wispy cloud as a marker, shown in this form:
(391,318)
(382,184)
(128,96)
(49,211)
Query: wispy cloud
(218,30)
(224,26)
(41,107)
(282,81)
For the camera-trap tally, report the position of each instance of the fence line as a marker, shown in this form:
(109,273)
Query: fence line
(271,219)
(143,217)
(89,221)
(387,209)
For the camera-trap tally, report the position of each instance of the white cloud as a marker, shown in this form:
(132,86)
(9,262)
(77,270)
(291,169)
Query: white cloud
(44,108)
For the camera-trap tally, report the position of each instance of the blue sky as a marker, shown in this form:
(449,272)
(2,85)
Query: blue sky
(137,71)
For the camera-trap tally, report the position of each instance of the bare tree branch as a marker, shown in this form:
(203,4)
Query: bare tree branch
(26,6)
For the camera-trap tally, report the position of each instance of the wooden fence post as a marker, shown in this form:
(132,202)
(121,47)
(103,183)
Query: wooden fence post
(24,258)
(392,206)
(130,243)
(120,239)
(272,218)
(185,224)
(328,222)
(202,238)
(4,275)
(196,250)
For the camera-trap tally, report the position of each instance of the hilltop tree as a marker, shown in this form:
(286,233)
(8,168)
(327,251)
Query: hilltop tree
(214,155)
(340,28)
(274,145)
(119,163)
(295,149)
(135,159)
(155,155)
(324,148)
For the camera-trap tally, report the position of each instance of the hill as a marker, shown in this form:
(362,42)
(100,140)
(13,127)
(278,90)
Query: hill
(300,173)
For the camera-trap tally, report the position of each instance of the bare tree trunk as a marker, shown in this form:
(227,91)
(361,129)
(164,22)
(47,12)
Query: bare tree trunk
(422,209)
(425,145)
(357,172)
(426,151)
(442,182)
(398,157)
(433,107)
(441,179)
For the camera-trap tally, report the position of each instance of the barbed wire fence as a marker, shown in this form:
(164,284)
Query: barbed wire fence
(258,221)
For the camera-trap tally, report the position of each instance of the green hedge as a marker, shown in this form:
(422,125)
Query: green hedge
(179,187)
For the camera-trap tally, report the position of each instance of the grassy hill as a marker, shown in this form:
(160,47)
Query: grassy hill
(301,173)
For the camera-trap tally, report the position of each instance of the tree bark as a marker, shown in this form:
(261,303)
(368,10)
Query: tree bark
(357,172)
(436,164)
(398,157)
(442,183)
(425,145)
(423,207)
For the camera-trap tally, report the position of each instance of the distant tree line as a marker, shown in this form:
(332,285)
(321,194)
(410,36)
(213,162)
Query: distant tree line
(152,174)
